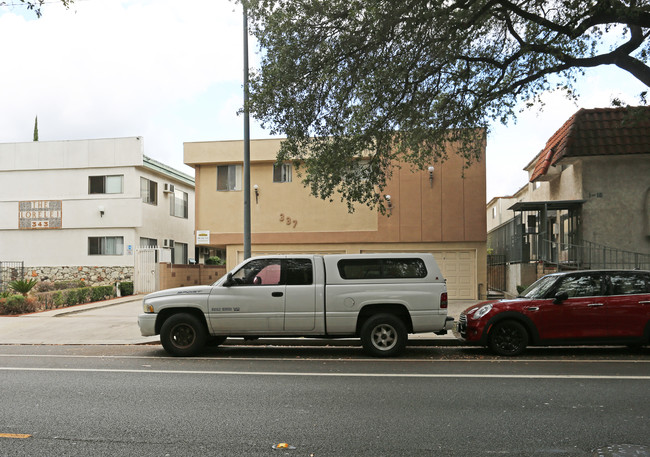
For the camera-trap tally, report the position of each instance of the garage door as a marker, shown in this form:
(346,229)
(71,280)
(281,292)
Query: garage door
(459,269)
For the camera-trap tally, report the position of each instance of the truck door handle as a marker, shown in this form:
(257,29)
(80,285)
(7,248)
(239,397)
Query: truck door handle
(594,304)
(533,308)
(277,294)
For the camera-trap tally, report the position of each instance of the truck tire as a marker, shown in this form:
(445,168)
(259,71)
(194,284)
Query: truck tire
(384,335)
(183,335)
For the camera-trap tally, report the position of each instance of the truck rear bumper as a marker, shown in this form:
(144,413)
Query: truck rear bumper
(147,324)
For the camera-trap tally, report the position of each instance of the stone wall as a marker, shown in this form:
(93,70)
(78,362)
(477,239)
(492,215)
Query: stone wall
(93,276)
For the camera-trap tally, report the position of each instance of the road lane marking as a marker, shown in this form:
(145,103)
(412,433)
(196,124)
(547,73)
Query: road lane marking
(315,374)
(15,435)
(321,359)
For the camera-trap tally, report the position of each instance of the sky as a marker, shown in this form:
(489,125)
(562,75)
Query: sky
(171,72)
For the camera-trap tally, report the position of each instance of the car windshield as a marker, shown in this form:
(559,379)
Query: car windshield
(540,288)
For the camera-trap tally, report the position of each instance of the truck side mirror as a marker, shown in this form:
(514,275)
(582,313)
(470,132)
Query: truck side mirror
(560,297)
(228,282)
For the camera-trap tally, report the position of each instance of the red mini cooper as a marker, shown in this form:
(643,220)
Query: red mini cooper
(578,307)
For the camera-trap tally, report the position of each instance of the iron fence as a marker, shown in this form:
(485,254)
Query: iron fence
(593,256)
(10,271)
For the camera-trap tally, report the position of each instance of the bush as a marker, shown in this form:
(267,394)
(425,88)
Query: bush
(17,304)
(61,285)
(23,286)
(215,260)
(126,288)
(101,293)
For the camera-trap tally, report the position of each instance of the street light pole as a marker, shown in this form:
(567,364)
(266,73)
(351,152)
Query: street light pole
(247,147)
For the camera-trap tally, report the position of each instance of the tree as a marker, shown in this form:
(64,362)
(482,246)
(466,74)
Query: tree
(400,80)
(34,5)
(36,129)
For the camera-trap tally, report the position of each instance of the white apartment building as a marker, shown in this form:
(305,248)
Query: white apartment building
(81,209)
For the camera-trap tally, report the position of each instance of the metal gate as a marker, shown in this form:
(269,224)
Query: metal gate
(496,269)
(145,274)
(10,271)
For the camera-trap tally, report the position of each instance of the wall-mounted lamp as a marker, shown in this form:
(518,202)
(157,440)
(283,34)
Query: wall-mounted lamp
(256,188)
(101,211)
(389,204)
(431,176)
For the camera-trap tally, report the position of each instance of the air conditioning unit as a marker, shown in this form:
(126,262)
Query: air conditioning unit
(168,188)
(168,243)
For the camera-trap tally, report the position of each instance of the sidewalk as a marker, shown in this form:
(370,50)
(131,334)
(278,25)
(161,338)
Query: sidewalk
(115,322)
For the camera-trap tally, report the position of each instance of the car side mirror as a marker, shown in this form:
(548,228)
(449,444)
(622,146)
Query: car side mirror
(228,282)
(560,297)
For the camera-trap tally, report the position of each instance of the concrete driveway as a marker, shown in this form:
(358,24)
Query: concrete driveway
(115,322)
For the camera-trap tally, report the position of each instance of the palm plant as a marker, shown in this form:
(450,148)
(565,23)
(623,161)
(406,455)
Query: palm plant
(23,286)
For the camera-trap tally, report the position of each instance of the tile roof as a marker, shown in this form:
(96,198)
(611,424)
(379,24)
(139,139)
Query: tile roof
(599,131)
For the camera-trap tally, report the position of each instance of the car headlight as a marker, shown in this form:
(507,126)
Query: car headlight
(482,311)
(148,308)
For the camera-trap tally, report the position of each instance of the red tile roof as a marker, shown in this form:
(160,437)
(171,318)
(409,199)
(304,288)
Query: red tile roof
(600,131)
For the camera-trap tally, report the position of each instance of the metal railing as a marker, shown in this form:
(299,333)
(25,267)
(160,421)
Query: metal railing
(592,256)
(10,271)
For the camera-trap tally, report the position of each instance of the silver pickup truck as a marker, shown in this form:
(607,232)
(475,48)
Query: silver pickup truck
(380,298)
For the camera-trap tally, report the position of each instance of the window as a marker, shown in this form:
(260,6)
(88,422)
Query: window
(105,245)
(259,272)
(581,285)
(299,272)
(282,172)
(382,268)
(106,184)
(625,283)
(494,212)
(149,191)
(179,253)
(148,242)
(178,204)
(229,177)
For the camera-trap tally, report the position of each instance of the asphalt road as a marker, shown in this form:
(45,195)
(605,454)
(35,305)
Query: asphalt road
(241,401)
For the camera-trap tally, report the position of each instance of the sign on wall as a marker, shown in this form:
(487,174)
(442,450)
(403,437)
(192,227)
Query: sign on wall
(39,214)
(203,237)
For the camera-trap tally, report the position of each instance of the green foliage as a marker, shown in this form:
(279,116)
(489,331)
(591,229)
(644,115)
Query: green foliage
(23,286)
(415,81)
(101,293)
(520,289)
(126,288)
(17,304)
(36,129)
(214,260)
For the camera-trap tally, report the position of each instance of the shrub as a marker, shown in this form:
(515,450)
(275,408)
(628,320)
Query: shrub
(126,288)
(17,304)
(101,293)
(23,286)
(61,285)
(214,260)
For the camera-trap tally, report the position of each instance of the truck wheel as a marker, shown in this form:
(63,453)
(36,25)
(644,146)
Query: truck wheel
(508,338)
(183,335)
(383,335)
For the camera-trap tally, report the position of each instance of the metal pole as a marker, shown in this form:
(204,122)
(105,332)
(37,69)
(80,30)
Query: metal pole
(247,145)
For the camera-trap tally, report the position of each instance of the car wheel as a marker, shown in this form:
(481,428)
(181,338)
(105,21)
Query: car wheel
(384,335)
(508,338)
(183,335)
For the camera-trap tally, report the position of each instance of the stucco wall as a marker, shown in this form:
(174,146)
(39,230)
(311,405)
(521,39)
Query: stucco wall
(616,211)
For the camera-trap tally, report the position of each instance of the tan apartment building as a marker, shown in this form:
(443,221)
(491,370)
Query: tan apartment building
(440,211)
